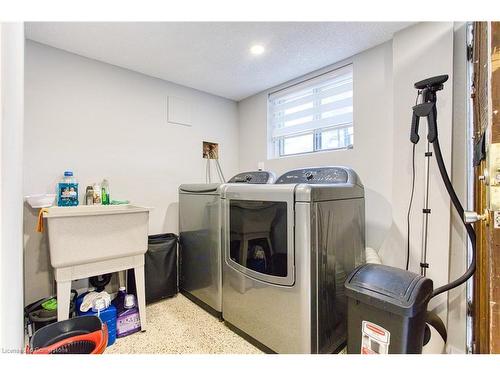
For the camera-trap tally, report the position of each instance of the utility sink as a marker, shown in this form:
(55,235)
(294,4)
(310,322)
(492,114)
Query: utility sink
(88,234)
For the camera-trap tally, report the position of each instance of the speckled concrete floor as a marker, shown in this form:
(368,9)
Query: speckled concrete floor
(176,326)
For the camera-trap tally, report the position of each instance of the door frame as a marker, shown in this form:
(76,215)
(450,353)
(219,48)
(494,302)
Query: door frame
(486,101)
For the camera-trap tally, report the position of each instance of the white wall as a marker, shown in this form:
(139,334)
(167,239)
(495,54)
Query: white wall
(103,121)
(11,201)
(383,98)
(421,51)
(372,154)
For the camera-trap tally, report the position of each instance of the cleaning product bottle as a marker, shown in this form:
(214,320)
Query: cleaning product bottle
(67,190)
(128,321)
(107,313)
(119,300)
(105,192)
(89,196)
(97,194)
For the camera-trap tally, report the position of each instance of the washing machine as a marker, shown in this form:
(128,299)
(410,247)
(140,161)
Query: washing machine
(200,256)
(288,248)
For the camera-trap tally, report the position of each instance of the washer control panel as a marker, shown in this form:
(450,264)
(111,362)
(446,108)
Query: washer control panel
(256,177)
(326,175)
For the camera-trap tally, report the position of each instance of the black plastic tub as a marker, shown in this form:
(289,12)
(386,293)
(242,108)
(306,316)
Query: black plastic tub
(80,335)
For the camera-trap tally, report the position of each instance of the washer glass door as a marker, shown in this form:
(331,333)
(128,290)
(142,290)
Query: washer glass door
(259,238)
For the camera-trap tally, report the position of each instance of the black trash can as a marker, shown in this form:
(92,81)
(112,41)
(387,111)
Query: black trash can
(386,310)
(160,268)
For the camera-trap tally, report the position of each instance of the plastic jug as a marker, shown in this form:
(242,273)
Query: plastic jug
(67,190)
(128,321)
(107,314)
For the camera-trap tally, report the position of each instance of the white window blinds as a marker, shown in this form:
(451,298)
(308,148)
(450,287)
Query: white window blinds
(312,115)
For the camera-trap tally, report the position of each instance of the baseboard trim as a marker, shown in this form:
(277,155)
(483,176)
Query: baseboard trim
(202,304)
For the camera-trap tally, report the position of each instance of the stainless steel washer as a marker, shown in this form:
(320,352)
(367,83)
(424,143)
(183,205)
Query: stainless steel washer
(200,254)
(288,248)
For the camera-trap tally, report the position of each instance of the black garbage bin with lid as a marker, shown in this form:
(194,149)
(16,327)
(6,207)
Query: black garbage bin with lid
(386,310)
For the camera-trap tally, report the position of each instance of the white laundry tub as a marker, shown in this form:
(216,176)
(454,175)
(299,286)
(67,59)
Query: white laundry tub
(88,234)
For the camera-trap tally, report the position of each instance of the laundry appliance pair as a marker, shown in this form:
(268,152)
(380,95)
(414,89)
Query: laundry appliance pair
(286,249)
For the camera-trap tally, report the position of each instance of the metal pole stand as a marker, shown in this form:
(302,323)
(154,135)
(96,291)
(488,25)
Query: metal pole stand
(426,212)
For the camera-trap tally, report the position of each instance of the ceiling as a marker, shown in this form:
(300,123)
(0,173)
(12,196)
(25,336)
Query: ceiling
(214,56)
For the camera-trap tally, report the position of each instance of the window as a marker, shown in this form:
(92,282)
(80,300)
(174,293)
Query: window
(313,115)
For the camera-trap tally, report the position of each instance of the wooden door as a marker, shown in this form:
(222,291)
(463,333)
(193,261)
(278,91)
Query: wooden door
(486,104)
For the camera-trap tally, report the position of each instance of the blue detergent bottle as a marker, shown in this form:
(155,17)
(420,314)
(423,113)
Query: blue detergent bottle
(67,190)
(107,315)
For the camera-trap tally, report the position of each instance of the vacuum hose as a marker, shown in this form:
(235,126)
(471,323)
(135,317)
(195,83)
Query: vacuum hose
(470,230)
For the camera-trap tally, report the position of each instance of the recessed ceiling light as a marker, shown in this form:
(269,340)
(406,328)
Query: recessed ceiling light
(257,49)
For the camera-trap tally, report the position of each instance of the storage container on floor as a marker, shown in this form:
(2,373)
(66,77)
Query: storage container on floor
(160,268)
(37,316)
(386,310)
(80,335)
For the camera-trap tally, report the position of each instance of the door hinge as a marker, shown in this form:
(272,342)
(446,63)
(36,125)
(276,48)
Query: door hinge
(470,308)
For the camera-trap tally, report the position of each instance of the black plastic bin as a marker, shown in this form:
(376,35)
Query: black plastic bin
(37,317)
(160,268)
(386,310)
